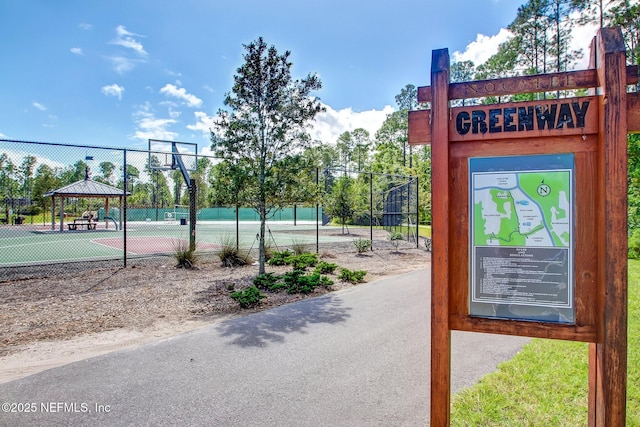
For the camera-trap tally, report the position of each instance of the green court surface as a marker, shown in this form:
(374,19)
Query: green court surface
(31,244)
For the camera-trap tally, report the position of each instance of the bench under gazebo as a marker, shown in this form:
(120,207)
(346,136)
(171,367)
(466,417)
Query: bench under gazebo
(85,188)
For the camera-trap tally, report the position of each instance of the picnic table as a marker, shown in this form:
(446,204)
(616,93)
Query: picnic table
(82,223)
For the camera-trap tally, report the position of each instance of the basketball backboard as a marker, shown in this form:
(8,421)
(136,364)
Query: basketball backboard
(163,155)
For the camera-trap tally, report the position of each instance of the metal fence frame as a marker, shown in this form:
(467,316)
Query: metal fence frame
(408,208)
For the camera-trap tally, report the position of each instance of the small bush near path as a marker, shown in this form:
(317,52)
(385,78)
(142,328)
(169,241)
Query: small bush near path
(296,281)
(302,261)
(248,298)
(395,237)
(185,257)
(297,261)
(279,257)
(269,281)
(324,267)
(233,257)
(362,245)
(356,276)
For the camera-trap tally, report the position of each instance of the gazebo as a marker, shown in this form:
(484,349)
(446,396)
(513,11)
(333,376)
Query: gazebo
(84,189)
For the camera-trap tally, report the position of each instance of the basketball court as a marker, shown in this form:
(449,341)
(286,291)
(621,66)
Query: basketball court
(37,244)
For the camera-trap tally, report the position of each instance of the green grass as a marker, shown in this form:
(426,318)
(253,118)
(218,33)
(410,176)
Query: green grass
(546,384)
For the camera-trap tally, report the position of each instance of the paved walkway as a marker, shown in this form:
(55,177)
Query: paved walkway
(358,357)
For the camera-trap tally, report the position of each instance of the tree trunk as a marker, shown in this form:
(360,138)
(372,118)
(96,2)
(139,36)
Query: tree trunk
(261,257)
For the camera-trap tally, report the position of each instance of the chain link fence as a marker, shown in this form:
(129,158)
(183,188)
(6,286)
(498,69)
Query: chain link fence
(63,207)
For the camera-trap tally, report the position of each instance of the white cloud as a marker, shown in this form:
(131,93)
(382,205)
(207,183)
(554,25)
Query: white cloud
(150,127)
(181,94)
(2,135)
(581,39)
(76,51)
(482,48)
(121,65)
(126,39)
(86,26)
(113,90)
(39,106)
(328,126)
(17,156)
(203,123)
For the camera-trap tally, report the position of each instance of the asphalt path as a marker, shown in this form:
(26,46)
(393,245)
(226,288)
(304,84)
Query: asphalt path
(358,357)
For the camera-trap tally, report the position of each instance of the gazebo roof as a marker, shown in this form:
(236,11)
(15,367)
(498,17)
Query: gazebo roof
(87,188)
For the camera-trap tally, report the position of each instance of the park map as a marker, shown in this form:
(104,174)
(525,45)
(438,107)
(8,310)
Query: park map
(521,237)
(522,209)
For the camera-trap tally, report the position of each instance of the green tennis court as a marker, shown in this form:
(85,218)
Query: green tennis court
(30,244)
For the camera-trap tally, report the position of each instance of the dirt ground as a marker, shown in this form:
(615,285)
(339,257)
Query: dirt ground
(52,320)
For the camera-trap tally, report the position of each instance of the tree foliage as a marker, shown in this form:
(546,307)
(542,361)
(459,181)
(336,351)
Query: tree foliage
(265,123)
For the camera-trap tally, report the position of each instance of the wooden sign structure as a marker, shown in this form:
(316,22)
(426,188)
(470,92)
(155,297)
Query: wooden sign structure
(558,168)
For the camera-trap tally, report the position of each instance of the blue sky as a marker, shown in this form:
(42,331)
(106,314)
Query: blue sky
(116,72)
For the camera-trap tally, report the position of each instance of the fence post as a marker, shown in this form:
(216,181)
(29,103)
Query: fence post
(237,227)
(371,208)
(417,213)
(124,209)
(193,193)
(317,210)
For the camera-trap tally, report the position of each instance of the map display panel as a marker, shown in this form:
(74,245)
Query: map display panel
(521,235)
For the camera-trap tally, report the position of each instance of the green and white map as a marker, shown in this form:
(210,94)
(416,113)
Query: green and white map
(521,218)
(523,208)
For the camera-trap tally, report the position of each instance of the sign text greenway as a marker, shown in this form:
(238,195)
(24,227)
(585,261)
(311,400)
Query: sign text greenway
(496,121)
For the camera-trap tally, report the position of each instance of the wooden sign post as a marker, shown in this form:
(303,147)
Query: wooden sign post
(529,215)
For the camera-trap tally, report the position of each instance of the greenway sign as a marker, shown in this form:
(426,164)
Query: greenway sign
(523,118)
(529,214)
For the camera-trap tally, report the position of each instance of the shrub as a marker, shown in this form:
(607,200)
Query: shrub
(396,237)
(291,280)
(326,282)
(248,298)
(355,276)
(302,261)
(185,257)
(297,282)
(298,247)
(233,257)
(269,281)
(325,267)
(362,245)
(634,245)
(279,257)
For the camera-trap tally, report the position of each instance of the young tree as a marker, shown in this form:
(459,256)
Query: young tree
(462,71)
(342,200)
(269,113)
(106,169)
(530,33)
(559,18)
(354,149)
(25,173)
(626,14)
(9,184)
(45,181)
